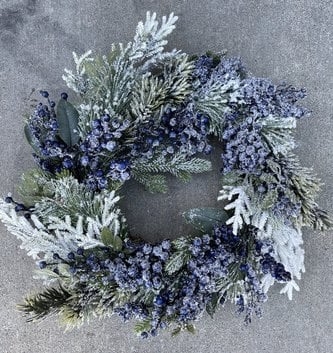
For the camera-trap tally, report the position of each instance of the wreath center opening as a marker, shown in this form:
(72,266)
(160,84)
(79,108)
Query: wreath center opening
(157,216)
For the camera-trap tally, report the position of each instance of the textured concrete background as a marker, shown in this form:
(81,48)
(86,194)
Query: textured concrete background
(287,40)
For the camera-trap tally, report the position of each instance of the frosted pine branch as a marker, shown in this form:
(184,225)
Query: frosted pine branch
(240,204)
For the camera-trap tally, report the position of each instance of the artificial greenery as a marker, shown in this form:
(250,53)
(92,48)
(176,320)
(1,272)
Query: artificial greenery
(143,113)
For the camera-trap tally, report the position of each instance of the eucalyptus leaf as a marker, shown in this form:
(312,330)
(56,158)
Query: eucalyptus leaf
(205,218)
(176,262)
(190,328)
(213,304)
(68,118)
(142,326)
(28,136)
(109,239)
(176,331)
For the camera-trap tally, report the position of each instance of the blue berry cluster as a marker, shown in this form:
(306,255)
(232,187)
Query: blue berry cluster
(244,149)
(277,270)
(228,69)
(184,295)
(268,264)
(19,207)
(104,140)
(203,67)
(285,207)
(53,154)
(255,295)
(179,130)
(263,98)
(112,144)
(142,268)
(206,69)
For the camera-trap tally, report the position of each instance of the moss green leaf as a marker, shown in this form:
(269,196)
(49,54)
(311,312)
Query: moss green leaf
(176,331)
(68,118)
(213,304)
(190,328)
(176,261)
(205,218)
(109,239)
(28,136)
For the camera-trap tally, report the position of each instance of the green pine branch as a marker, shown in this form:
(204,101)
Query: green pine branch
(51,301)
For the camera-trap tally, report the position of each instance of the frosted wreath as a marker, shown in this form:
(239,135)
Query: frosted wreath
(141,112)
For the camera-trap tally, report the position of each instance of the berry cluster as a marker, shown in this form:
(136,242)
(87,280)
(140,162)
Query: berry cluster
(203,67)
(19,207)
(208,71)
(212,258)
(268,264)
(277,270)
(244,149)
(263,98)
(179,130)
(104,142)
(52,155)
(285,207)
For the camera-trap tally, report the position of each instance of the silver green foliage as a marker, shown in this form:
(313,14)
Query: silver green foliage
(53,228)
(66,215)
(123,84)
(150,172)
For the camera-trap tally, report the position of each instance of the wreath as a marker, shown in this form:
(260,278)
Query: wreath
(141,112)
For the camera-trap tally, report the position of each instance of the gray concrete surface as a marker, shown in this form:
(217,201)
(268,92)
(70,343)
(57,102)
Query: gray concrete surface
(288,40)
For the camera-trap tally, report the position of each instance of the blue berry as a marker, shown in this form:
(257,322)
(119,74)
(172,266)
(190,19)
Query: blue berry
(71,256)
(9,199)
(84,160)
(105,118)
(159,300)
(72,269)
(42,265)
(19,207)
(45,94)
(144,335)
(67,163)
(64,96)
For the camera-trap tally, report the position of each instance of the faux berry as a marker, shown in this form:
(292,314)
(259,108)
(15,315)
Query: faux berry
(64,96)
(42,265)
(9,199)
(19,207)
(45,94)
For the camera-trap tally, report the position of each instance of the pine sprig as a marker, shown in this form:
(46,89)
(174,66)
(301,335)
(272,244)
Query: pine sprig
(174,165)
(51,301)
(153,183)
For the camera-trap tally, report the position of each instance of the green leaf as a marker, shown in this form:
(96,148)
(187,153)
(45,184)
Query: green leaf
(143,326)
(269,200)
(111,240)
(176,331)
(213,304)
(205,218)
(190,328)
(68,118)
(33,187)
(176,262)
(152,183)
(28,136)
